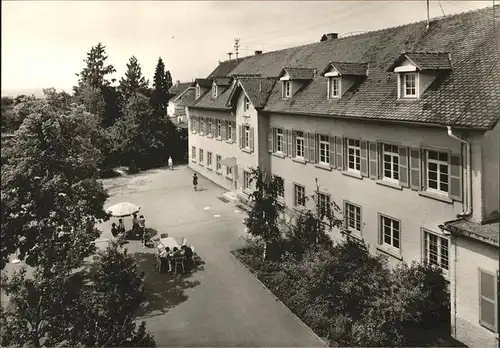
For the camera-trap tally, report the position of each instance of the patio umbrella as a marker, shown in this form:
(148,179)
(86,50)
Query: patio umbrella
(123,209)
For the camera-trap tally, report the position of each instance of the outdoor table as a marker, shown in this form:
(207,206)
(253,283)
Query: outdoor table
(169,242)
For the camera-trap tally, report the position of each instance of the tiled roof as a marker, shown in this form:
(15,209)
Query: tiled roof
(467,96)
(179,88)
(426,60)
(346,68)
(206,101)
(206,83)
(257,89)
(188,98)
(223,81)
(299,73)
(224,68)
(487,233)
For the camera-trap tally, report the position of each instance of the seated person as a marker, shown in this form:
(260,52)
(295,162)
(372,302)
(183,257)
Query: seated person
(121,226)
(163,257)
(114,230)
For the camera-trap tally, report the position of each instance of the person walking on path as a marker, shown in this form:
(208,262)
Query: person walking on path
(170,163)
(195,182)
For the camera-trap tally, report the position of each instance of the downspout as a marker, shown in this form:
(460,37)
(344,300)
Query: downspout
(468,176)
(453,276)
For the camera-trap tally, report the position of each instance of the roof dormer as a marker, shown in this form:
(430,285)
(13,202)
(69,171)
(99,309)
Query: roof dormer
(201,86)
(341,76)
(417,71)
(214,90)
(292,79)
(219,84)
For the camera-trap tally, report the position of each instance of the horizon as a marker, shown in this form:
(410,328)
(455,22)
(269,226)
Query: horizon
(128,28)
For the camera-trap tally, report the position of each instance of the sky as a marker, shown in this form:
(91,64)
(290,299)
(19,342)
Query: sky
(44,42)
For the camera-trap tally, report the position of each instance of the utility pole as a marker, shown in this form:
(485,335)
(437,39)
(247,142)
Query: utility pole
(427,14)
(236,46)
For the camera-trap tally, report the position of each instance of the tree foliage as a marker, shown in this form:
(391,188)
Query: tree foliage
(95,72)
(162,82)
(133,82)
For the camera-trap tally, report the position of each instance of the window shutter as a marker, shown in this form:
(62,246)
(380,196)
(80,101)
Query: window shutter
(364,158)
(403,166)
(487,299)
(214,126)
(233,131)
(332,151)
(240,136)
(289,143)
(270,142)
(285,142)
(223,129)
(455,177)
(294,147)
(373,158)
(250,139)
(312,147)
(306,146)
(415,165)
(339,146)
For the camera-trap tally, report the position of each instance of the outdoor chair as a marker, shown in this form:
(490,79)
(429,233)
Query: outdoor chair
(179,262)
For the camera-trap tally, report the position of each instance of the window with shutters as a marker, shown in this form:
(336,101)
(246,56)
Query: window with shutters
(201,157)
(219,129)
(246,137)
(280,140)
(193,152)
(217,164)
(324,203)
(390,162)
(281,186)
(436,249)
(299,145)
(230,131)
(353,155)
(324,149)
(333,87)
(437,172)
(488,300)
(352,215)
(209,159)
(287,89)
(209,125)
(299,195)
(390,230)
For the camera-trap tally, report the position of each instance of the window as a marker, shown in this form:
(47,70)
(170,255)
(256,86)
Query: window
(390,230)
(324,203)
(246,104)
(353,155)
(229,171)
(198,92)
(488,300)
(193,152)
(246,137)
(410,85)
(202,125)
(201,156)
(324,149)
(437,172)
(334,87)
(209,126)
(287,89)
(390,158)
(281,186)
(219,128)
(352,217)
(192,125)
(299,199)
(217,164)
(230,131)
(246,180)
(299,144)
(436,250)
(214,91)
(209,159)
(280,140)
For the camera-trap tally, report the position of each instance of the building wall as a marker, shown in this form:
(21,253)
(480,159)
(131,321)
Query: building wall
(491,170)
(412,209)
(470,256)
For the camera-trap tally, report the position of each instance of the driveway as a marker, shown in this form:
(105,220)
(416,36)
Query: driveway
(220,304)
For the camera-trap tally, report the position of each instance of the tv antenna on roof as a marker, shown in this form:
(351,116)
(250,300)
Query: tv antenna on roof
(236,46)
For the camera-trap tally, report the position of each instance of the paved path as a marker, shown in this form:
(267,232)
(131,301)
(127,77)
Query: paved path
(220,305)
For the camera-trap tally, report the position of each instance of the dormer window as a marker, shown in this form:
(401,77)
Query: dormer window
(409,85)
(287,89)
(246,103)
(333,87)
(198,92)
(214,91)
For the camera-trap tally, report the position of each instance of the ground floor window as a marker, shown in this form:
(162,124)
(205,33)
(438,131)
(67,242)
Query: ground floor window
(299,195)
(352,213)
(209,159)
(229,171)
(193,152)
(436,250)
(323,203)
(391,232)
(217,164)
(246,180)
(281,186)
(201,156)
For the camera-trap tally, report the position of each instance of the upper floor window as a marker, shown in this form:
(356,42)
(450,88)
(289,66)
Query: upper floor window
(437,172)
(299,144)
(436,250)
(229,171)
(391,232)
(217,163)
(202,124)
(352,217)
(246,103)
(209,159)
(280,140)
(219,128)
(214,91)
(229,131)
(299,199)
(201,156)
(287,89)
(209,125)
(334,87)
(390,158)
(281,186)
(353,155)
(409,85)
(324,149)
(246,136)
(323,203)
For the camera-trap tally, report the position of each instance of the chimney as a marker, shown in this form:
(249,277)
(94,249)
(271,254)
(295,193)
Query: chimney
(229,54)
(258,52)
(329,37)
(178,82)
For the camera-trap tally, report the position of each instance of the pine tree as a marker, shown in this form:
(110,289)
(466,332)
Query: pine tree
(133,82)
(95,71)
(161,83)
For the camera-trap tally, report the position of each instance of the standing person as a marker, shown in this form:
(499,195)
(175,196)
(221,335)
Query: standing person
(195,182)
(135,224)
(121,226)
(170,163)
(142,228)
(114,230)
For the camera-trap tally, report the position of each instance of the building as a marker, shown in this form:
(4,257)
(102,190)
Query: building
(399,126)
(176,109)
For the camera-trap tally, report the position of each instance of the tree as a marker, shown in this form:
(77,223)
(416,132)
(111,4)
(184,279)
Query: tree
(262,220)
(50,188)
(95,72)
(133,82)
(162,82)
